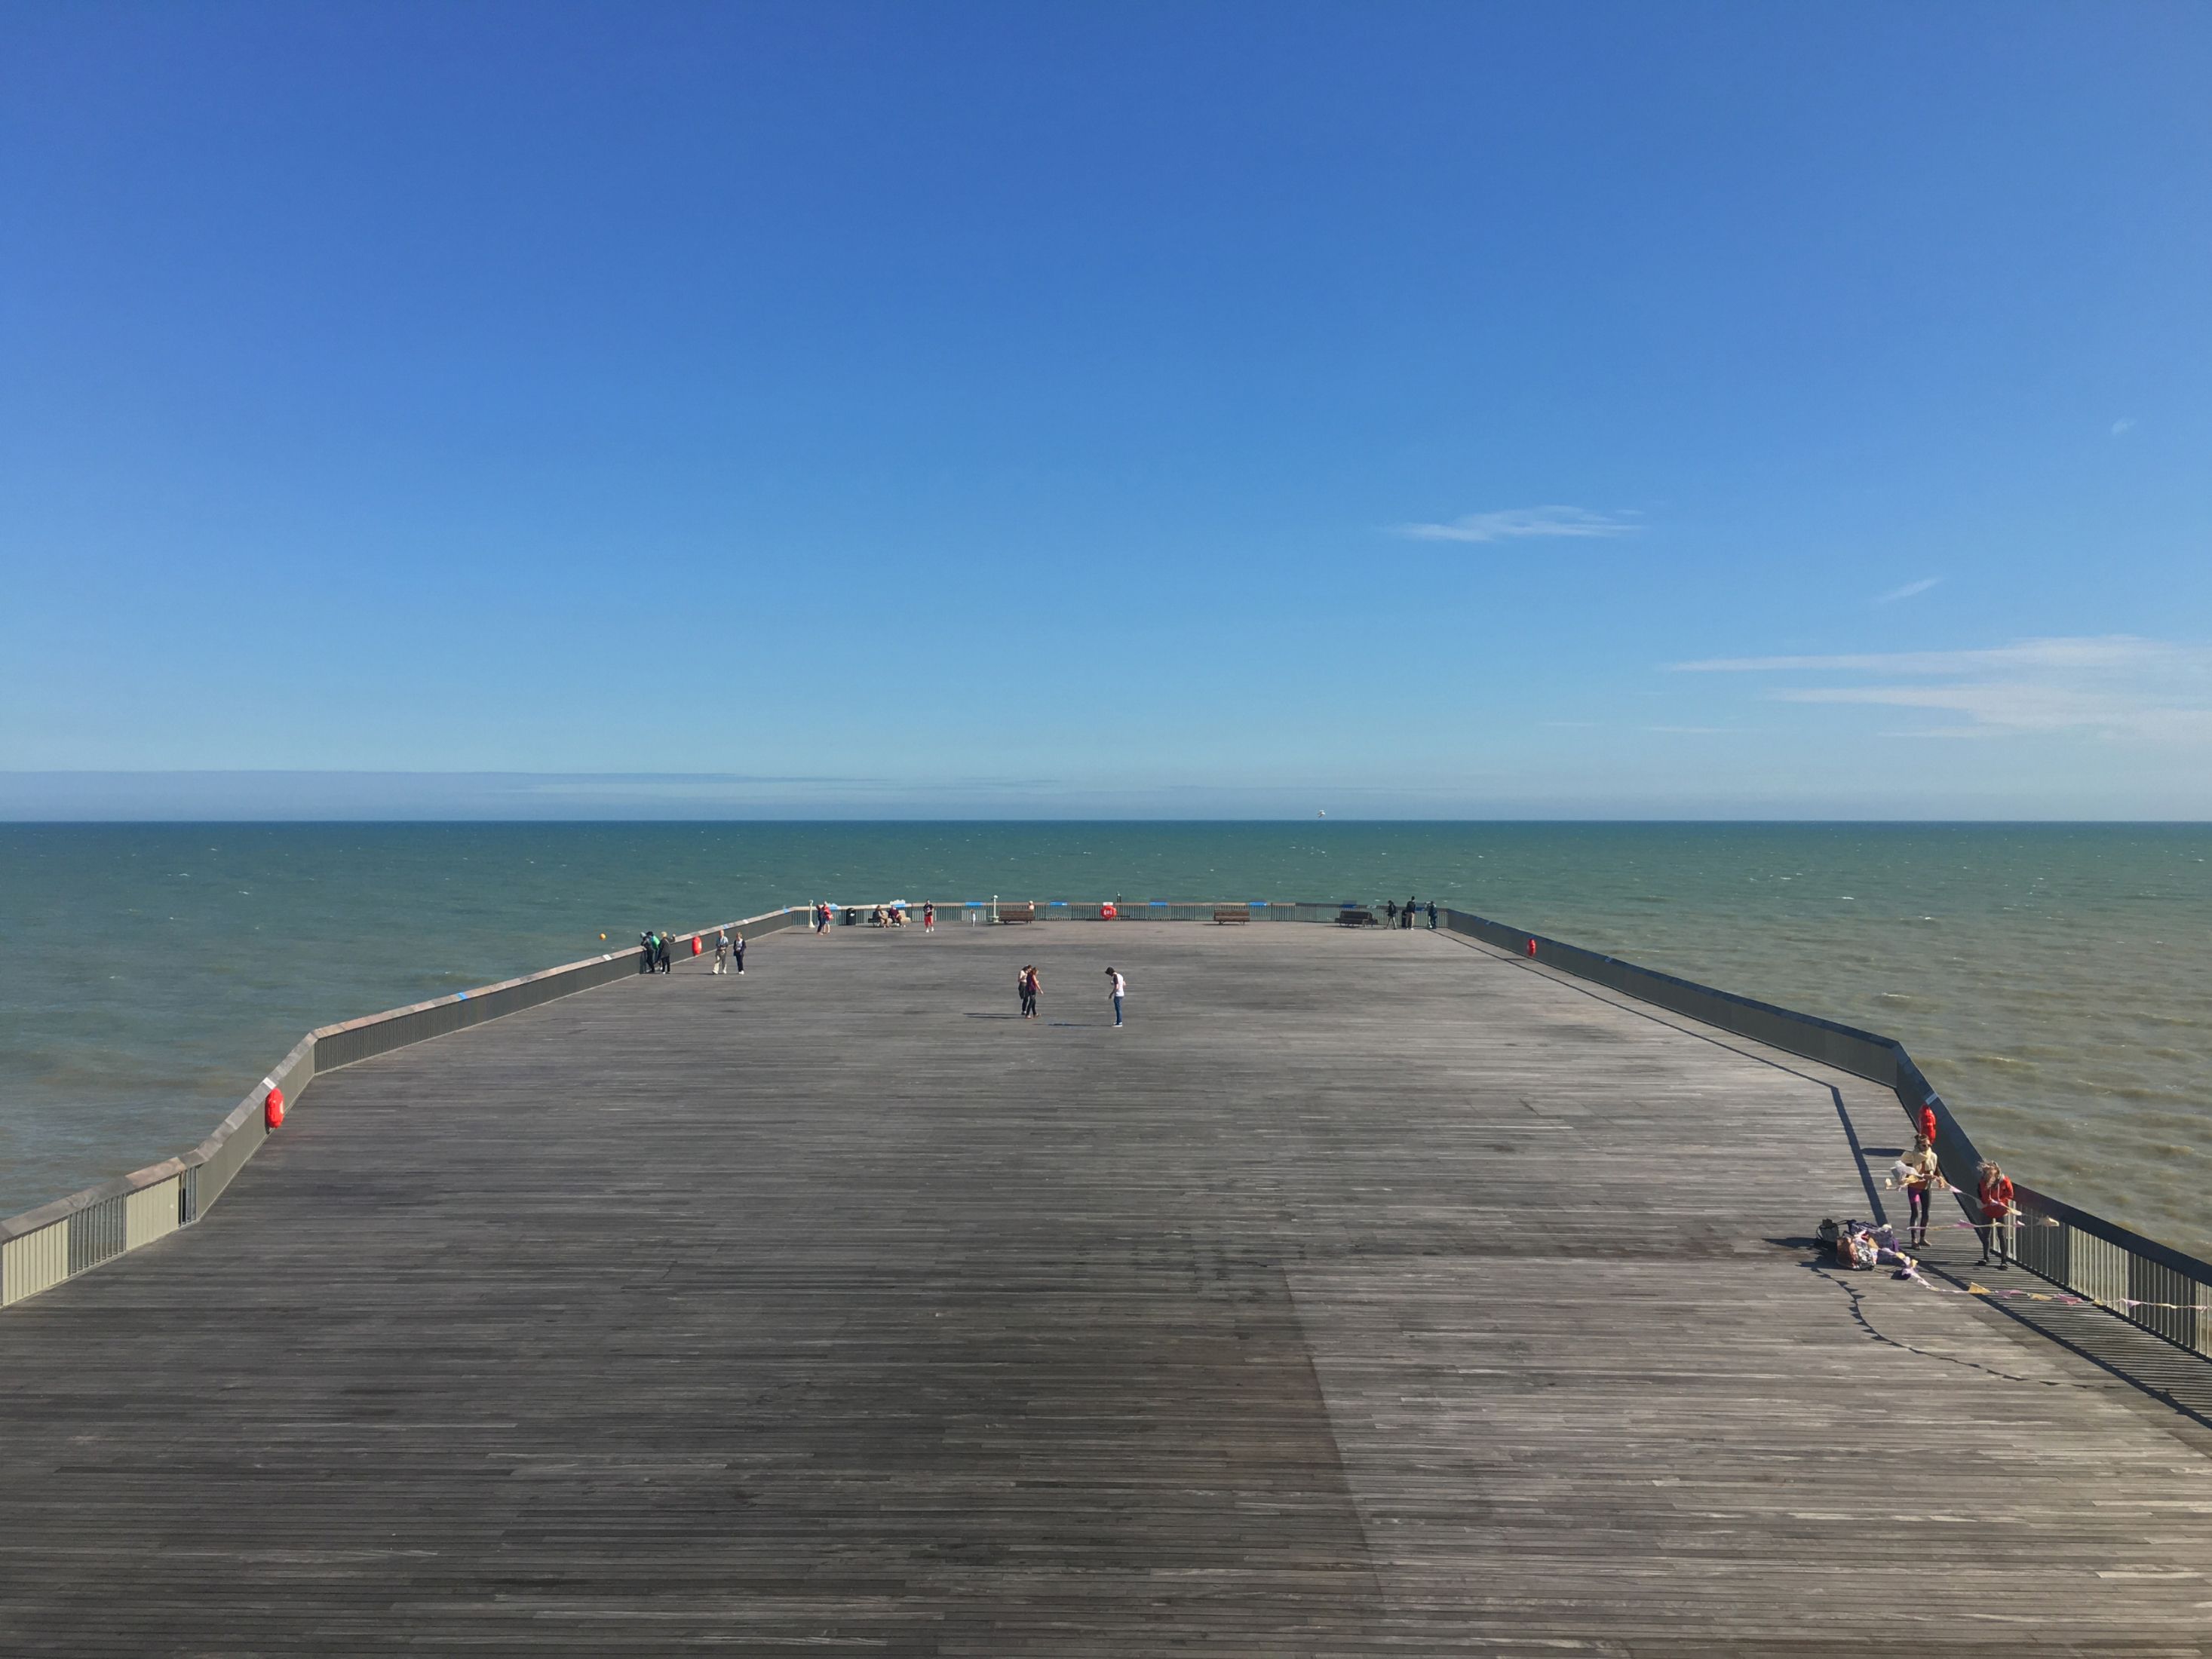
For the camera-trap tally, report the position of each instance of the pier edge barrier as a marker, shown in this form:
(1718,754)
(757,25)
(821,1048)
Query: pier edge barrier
(2153,1286)
(44,1247)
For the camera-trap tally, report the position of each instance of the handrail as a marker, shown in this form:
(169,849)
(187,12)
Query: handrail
(2149,1285)
(41,1247)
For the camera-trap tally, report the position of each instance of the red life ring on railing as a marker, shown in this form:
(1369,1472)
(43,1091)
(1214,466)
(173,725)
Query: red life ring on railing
(1107,913)
(272,1109)
(1532,947)
(694,944)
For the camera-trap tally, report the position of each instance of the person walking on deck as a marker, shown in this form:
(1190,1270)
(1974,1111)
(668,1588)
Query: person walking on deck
(1029,986)
(1120,989)
(722,952)
(737,951)
(928,916)
(1390,912)
(1432,915)
(1995,1191)
(1922,1178)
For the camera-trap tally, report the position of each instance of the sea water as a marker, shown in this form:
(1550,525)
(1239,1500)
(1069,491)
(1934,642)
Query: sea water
(2050,978)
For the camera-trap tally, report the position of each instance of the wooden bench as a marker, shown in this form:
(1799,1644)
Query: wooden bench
(1355,918)
(1018,912)
(1233,913)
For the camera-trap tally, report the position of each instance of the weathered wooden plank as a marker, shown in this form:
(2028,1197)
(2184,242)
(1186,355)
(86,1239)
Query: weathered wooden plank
(1369,1293)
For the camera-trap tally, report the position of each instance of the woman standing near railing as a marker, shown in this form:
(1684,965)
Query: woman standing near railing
(1996,1193)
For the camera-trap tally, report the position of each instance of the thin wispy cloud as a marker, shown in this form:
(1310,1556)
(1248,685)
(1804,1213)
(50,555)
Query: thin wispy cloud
(2114,686)
(1908,591)
(2124,425)
(2102,651)
(1520,523)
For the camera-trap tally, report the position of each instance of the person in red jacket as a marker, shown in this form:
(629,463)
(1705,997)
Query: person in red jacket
(1995,1193)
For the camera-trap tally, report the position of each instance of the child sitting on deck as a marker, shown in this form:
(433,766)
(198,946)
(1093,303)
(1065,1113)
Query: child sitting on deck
(1863,1247)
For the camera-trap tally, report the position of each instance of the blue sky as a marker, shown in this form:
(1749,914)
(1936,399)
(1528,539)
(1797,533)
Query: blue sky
(1461,410)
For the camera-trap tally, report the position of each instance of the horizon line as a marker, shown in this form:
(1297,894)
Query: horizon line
(1712,820)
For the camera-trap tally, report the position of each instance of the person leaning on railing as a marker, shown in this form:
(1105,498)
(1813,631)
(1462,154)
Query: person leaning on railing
(1994,1190)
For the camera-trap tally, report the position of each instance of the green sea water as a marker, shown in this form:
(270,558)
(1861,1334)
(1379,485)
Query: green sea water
(2050,978)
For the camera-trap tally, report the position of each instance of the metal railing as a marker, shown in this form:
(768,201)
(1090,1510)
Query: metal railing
(953,910)
(2149,1285)
(2142,1281)
(41,1248)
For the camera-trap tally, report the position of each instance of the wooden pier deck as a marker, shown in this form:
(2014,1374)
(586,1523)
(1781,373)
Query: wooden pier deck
(1371,1293)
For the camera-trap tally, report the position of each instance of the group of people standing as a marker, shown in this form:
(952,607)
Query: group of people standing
(1398,918)
(727,949)
(652,950)
(1028,984)
(1920,1174)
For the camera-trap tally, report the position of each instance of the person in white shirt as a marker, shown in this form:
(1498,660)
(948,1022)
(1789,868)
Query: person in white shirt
(1120,990)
